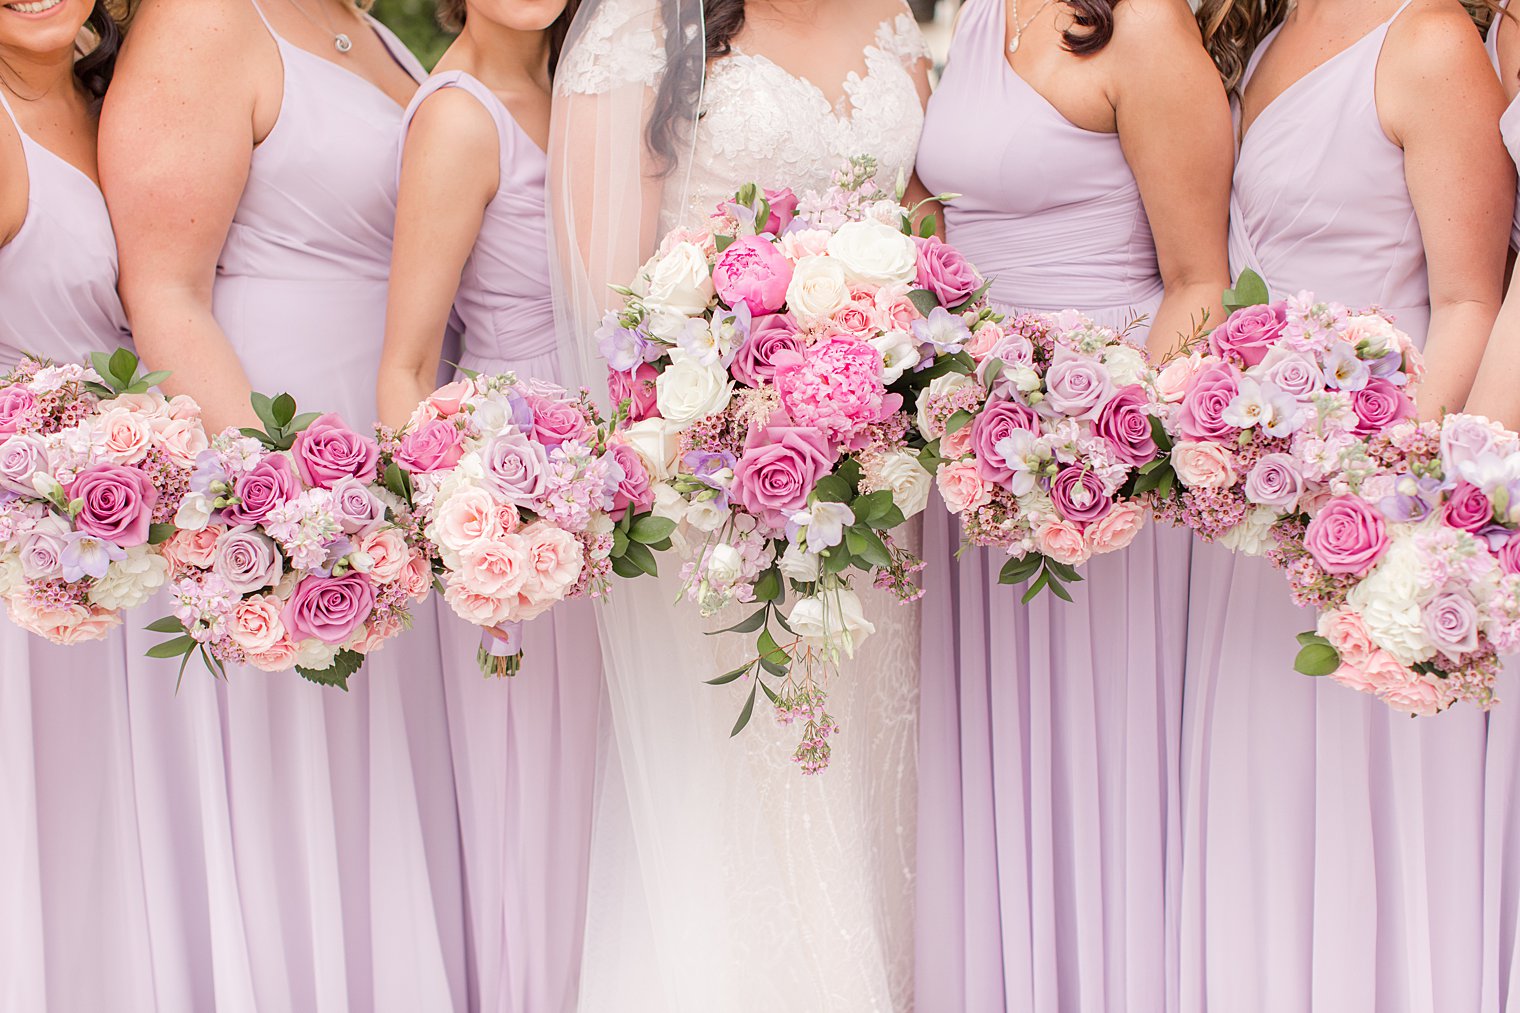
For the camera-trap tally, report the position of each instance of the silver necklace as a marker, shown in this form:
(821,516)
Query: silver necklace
(1018,29)
(341,42)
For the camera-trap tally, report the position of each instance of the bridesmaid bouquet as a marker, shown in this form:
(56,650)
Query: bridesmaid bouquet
(525,501)
(1414,564)
(92,468)
(766,364)
(1049,448)
(288,552)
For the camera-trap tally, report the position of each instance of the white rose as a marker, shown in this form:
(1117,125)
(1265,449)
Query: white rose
(938,387)
(194,512)
(798,564)
(909,481)
(315,655)
(679,282)
(875,254)
(706,515)
(689,391)
(656,442)
(831,622)
(1126,364)
(724,564)
(899,353)
(130,582)
(818,287)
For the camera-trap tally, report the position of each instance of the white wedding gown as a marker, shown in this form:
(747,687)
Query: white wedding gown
(723,880)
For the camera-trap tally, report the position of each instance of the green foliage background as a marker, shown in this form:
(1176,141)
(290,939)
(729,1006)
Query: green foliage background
(413,21)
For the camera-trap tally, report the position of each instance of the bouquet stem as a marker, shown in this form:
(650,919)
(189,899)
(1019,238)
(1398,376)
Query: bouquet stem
(500,651)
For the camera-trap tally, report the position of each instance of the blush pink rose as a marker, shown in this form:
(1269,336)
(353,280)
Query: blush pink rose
(117,504)
(463,519)
(1414,694)
(997,419)
(1348,635)
(474,608)
(1467,508)
(1509,554)
(1172,380)
(65,625)
(374,634)
(1201,415)
(638,389)
(956,444)
(18,406)
(1248,334)
(388,552)
(1379,405)
(449,399)
(278,657)
(770,335)
(328,609)
(496,567)
(327,450)
(754,272)
(1203,465)
(186,550)
(435,445)
(983,340)
(255,624)
(961,487)
(555,559)
(124,435)
(183,440)
(1115,530)
(780,465)
(417,579)
(1061,541)
(268,484)
(1346,536)
(557,421)
(856,317)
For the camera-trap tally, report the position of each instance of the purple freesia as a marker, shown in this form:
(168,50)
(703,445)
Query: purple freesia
(942,331)
(1413,499)
(86,555)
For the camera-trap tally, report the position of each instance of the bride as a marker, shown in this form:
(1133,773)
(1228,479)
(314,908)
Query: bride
(722,878)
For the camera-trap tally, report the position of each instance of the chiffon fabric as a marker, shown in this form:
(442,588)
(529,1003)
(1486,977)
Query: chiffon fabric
(1332,854)
(1048,751)
(1501,812)
(524,748)
(73,923)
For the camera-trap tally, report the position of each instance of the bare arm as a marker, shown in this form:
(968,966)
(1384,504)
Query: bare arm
(14,183)
(1440,100)
(450,170)
(1176,132)
(176,141)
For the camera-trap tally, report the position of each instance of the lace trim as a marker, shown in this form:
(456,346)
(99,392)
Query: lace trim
(622,45)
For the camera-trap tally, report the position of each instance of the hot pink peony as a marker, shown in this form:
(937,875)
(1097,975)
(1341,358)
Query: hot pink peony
(754,272)
(835,386)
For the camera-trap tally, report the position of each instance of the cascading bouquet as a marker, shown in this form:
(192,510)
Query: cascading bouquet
(1049,449)
(92,467)
(766,364)
(1414,564)
(288,552)
(525,501)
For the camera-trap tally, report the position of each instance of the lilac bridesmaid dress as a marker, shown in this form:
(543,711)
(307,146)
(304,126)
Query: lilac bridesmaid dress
(73,924)
(346,886)
(525,748)
(1332,851)
(1501,815)
(1048,808)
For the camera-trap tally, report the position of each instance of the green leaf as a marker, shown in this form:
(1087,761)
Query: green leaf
(100,362)
(168,624)
(872,505)
(1019,569)
(158,534)
(833,489)
(975,296)
(734,676)
(619,542)
(1317,659)
(284,409)
(721,243)
(960,420)
(1059,589)
(836,560)
(773,668)
(1310,637)
(1249,290)
(651,528)
(926,227)
(255,434)
(1162,438)
(173,648)
(768,587)
(867,545)
(263,407)
(643,558)
(123,364)
(889,520)
(626,568)
(992,372)
(923,300)
(301,421)
(1035,588)
(749,708)
(155,378)
(748,624)
(770,650)
(770,693)
(1063,571)
(344,665)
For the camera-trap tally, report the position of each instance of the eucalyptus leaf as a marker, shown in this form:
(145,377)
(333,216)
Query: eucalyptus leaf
(734,676)
(168,624)
(923,300)
(748,624)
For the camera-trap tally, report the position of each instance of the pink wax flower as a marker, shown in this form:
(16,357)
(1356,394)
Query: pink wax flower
(754,272)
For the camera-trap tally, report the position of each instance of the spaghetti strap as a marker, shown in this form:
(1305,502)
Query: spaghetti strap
(267,26)
(6,105)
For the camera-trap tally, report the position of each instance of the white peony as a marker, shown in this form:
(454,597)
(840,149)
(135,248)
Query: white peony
(688,392)
(874,253)
(899,353)
(679,282)
(909,481)
(818,288)
(832,622)
(130,582)
(1400,576)
(798,564)
(657,443)
(938,387)
(11,577)
(1126,364)
(194,512)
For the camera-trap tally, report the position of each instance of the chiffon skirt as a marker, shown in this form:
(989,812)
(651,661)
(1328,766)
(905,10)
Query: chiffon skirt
(1501,851)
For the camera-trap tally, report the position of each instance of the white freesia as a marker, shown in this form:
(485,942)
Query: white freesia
(818,287)
(874,253)
(1126,364)
(832,621)
(679,282)
(130,582)
(668,503)
(798,564)
(314,655)
(1024,379)
(909,481)
(724,565)
(657,443)
(688,391)
(899,353)
(938,387)
(706,515)
(194,512)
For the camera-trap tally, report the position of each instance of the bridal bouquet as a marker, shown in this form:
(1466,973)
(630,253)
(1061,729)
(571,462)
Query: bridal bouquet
(1414,564)
(288,552)
(1048,449)
(525,500)
(92,467)
(767,363)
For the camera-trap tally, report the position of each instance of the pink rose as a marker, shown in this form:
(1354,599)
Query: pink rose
(754,272)
(1078,494)
(1126,425)
(417,578)
(1451,622)
(1201,415)
(1467,508)
(463,519)
(1173,380)
(186,550)
(388,552)
(124,435)
(1348,635)
(496,567)
(1346,536)
(1509,554)
(183,407)
(260,489)
(61,624)
(354,506)
(449,399)
(983,340)
(1061,541)
(1116,530)
(17,408)
(255,625)
(1076,385)
(856,316)
(557,421)
(998,418)
(22,455)
(183,440)
(278,657)
(1203,465)
(634,489)
(637,389)
(435,445)
(754,360)
(516,468)
(117,504)
(247,560)
(1414,694)
(1276,481)
(783,204)
(780,465)
(1248,334)
(1379,405)
(956,444)
(477,609)
(328,609)
(961,486)
(328,450)
(945,272)
(555,559)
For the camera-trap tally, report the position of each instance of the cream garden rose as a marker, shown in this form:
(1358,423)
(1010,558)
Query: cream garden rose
(688,391)
(874,253)
(818,288)
(679,281)
(909,481)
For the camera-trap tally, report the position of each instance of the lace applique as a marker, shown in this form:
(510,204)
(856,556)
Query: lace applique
(622,45)
(901,37)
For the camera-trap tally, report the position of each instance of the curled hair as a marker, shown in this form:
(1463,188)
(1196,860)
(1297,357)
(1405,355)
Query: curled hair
(1092,27)
(1232,29)
(451,16)
(675,104)
(94,69)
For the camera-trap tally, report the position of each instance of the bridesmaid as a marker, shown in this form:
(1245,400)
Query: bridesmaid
(1332,849)
(248,154)
(73,926)
(1048,808)
(471,236)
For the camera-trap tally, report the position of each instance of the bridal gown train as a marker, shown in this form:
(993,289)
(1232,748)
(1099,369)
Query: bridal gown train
(722,878)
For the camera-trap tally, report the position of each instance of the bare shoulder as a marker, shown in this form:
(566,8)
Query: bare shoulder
(452,121)
(13,180)
(879,11)
(1148,29)
(1433,33)
(217,33)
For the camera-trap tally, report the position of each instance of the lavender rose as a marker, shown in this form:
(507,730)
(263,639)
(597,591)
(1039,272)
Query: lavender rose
(1346,536)
(21,457)
(1248,334)
(1467,508)
(754,272)
(1126,425)
(263,487)
(328,609)
(328,450)
(42,555)
(1201,414)
(1275,481)
(247,560)
(1293,373)
(770,335)
(1451,622)
(355,507)
(779,467)
(557,421)
(515,467)
(1379,405)
(1077,385)
(1078,495)
(995,421)
(944,271)
(433,446)
(117,504)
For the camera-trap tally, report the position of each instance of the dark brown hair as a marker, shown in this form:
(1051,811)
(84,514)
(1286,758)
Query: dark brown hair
(1093,25)
(94,69)
(675,104)
(451,15)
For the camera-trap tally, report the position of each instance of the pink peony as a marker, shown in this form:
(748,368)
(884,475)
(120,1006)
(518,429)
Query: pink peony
(117,504)
(992,424)
(755,360)
(268,484)
(435,445)
(754,272)
(961,487)
(1248,334)
(637,389)
(1126,424)
(1201,415)
(327,450)
(1346,536)
(780,465)
(328,609)
(834,386)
